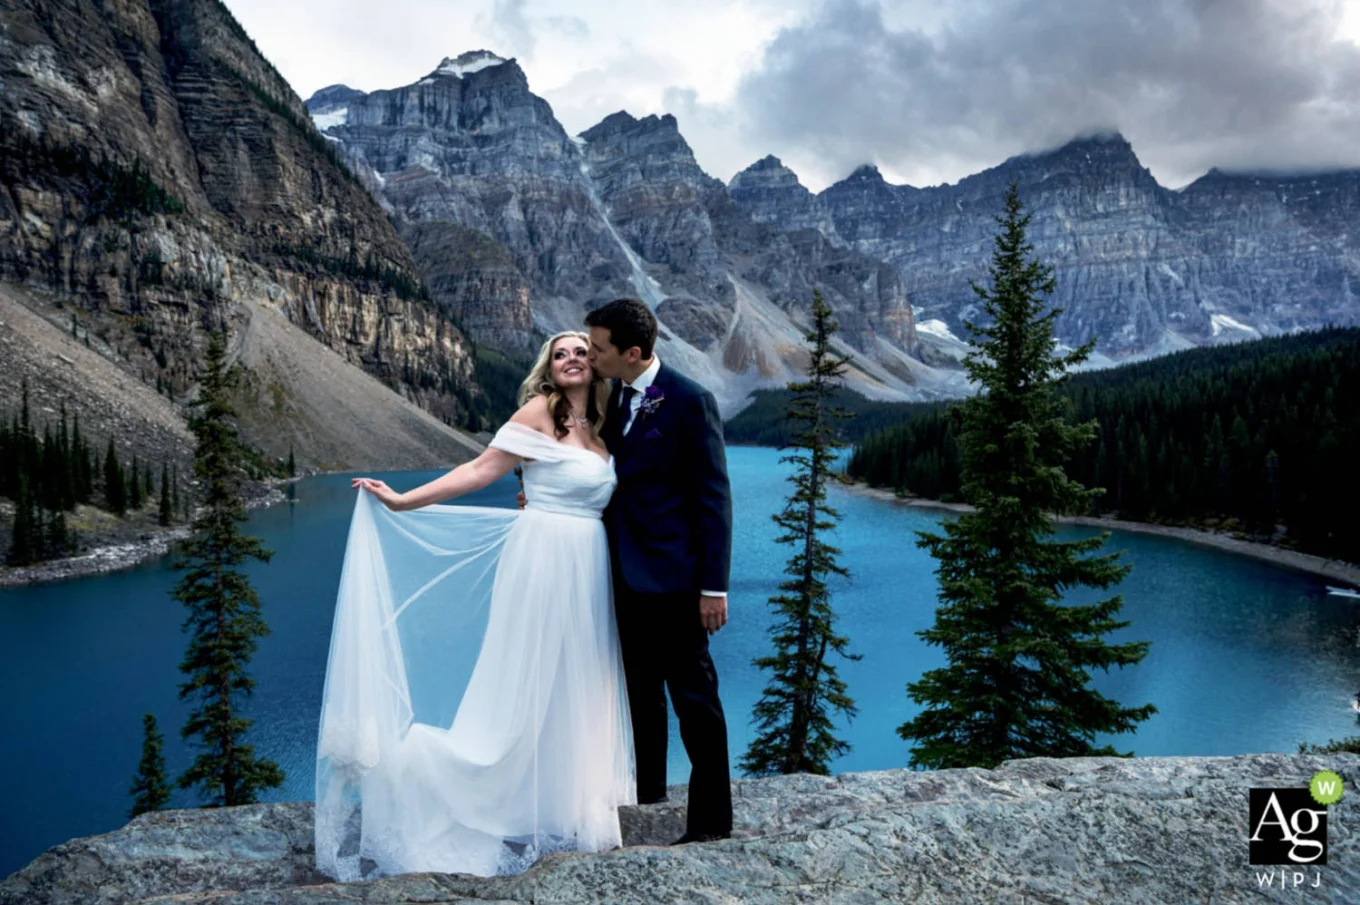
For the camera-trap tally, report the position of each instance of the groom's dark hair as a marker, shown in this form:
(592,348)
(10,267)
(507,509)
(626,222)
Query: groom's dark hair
(629,322)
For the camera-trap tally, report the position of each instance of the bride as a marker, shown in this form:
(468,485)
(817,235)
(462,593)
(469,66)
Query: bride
(475,716)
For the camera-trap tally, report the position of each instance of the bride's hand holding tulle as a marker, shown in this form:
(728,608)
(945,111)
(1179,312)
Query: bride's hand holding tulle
(386,495)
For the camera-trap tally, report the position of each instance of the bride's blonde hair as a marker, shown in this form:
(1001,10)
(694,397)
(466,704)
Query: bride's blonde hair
(540,383)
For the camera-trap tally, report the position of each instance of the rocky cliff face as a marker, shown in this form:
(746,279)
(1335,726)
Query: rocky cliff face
(158,174)
(1141,268)
(1161,831)
(623,209)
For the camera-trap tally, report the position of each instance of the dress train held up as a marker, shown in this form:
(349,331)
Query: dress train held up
(475,715)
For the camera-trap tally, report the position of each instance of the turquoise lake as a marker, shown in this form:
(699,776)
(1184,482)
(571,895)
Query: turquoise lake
(1246,656)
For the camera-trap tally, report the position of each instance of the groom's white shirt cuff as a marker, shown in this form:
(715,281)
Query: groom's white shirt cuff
(714,593)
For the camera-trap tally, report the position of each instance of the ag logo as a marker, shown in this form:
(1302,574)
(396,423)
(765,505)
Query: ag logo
(1287,827)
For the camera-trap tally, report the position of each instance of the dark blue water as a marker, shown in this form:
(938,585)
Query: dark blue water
(1246,657)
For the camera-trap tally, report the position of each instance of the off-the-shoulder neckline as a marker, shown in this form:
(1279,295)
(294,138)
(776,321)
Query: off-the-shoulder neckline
(590,452)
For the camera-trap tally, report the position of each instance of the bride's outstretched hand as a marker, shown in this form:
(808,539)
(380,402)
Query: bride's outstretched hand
(386,495)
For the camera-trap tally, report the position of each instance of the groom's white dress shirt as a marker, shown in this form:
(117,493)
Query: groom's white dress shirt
(640,385)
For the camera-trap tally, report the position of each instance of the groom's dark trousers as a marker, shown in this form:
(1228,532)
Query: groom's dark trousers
(670,528)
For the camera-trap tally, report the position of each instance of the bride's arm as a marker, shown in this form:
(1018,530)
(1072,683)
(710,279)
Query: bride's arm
(492,465)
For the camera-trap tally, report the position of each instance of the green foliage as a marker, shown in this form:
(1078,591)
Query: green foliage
(370,269)
(224,618)
(45,477)
(793,716)
(115,489)
(134,485)
(150,788)
(763,421)
(499,374)
(23,545)
(1349,745)
(1018,659)
(108,188)
(165,514)
(1253,435)
(304,127)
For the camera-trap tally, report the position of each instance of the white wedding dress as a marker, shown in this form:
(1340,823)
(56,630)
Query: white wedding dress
(475,716)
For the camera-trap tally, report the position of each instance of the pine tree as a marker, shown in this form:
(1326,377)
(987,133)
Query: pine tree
(793,716)
(224,609)
(23,545)
(151,788)
(292,463)
(134,485)
(166,514)
(1016,682)
(114,490)
(174,490)
(148,481)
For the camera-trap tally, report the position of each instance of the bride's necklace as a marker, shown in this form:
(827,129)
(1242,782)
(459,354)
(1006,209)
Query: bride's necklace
(583,422)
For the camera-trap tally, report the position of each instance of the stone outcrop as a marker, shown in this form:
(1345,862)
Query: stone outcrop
(160,176)
(1081,830)
(1140,268)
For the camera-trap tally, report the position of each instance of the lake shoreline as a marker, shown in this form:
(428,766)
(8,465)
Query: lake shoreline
(1334,569)
(116,557)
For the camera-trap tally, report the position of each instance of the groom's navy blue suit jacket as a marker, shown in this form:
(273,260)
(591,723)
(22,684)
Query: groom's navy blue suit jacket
(670,520)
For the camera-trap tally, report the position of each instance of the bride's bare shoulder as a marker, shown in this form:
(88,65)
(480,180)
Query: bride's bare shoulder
(536,415)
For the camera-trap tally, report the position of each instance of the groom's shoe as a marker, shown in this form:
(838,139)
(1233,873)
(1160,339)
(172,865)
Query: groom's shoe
(701,837)
(660,799)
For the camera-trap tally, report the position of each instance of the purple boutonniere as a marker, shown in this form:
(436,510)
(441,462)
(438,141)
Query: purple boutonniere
(651,401)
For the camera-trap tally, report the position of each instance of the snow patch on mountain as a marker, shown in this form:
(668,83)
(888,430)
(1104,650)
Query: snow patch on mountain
(330,119)
(468,63)
(1221,323)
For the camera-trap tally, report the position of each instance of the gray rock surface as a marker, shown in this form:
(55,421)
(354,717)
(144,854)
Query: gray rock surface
(1081,830)
(1142,268)
(178,93)
(469,158)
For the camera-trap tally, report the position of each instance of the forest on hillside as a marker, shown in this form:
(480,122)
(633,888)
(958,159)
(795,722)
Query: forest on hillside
(1256,437)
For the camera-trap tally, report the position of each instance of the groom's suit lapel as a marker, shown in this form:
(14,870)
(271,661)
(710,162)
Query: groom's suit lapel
(632,442)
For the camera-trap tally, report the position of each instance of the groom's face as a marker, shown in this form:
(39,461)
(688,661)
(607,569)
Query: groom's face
(607,360)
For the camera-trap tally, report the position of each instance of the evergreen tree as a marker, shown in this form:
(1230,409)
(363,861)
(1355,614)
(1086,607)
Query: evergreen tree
(224,610)
(114,490)
(166,514)
(174,490)
(148,481)
(793,716)
(134,484)
(23,545)
(58,540)
(292,463)
(1016,682)
(151,788)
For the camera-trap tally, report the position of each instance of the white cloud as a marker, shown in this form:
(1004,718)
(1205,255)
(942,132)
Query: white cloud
(929,91)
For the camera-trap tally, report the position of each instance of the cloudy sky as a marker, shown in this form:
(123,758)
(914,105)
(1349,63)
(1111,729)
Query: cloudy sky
(928,90)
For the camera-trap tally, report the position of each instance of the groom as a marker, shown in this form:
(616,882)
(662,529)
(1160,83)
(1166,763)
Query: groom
(670,540)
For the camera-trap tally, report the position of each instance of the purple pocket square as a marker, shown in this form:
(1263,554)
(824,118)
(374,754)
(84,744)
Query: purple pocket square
(653,434)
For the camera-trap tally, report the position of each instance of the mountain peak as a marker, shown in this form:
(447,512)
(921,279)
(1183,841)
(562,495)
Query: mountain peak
(1104,146)
(468,63)
(332,97)
(866,172)
(623,121)
(768,172)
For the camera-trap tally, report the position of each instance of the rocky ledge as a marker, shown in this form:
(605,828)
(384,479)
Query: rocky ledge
(1081,830)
